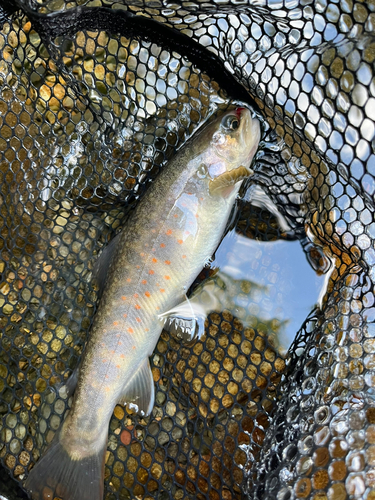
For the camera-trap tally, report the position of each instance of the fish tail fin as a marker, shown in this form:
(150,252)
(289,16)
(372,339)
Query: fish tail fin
(58,474)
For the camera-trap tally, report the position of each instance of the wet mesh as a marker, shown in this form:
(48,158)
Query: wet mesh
(95,97)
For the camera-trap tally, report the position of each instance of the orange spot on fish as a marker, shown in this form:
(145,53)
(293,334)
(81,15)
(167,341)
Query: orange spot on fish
(142,254)
(167,277)
(143,282)
(151,271)
(118,366)
(137,306)
(104,360)
(147,294)
(133,347)
(167,262)
(136,295)
(119,343)
(184,256)
(115,323)
(175,215)
(147,329)
(107,389)
(112,352)
(130,330)
(107,376)
(123,297)
(122,356)
(162,245)
(138,267)
(162,290)
(153,249)
(138,320)
(169,232)
(129,280)
(125,315)
(196,215)
(180,242)
(154,260)
(153,230)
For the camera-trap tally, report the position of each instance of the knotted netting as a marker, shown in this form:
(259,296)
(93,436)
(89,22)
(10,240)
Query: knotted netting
(96,96)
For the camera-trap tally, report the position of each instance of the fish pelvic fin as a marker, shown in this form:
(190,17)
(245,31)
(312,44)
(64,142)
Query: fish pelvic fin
(57,474)
(186,320)
(139,391)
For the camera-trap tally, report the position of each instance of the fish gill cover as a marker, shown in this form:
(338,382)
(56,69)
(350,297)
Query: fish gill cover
(95,97)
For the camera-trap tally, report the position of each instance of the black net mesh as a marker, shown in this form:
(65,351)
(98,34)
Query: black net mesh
(95,97)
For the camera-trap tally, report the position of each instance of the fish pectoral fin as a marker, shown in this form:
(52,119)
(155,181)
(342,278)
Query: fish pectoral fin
(139,393)
(185,321)
(255,195)
(100,269)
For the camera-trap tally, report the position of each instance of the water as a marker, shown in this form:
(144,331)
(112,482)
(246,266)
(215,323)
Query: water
(267,285)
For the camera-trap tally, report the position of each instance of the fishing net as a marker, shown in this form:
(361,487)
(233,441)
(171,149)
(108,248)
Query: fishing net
(95,97)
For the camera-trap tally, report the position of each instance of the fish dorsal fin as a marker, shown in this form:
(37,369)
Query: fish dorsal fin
(185,321)
(100,269)
(139,393)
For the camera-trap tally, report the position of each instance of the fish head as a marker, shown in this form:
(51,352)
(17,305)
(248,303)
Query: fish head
(234,142)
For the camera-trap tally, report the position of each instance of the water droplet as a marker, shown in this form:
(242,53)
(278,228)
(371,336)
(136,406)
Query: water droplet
(304,466)
(355,485)
(322,435)
(339,423)
(355,462)
(356,439)
(322,415)
(286,476)
(305,445)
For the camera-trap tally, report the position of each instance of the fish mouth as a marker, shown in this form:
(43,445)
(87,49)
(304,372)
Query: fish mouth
(228,179)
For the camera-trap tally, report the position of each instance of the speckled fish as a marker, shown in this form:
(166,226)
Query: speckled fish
(168,238)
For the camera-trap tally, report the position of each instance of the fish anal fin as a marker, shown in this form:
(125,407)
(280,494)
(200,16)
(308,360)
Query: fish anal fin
(57,474)
(185,321)
(139,393)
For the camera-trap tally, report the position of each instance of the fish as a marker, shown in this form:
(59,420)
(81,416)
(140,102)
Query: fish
(172,232)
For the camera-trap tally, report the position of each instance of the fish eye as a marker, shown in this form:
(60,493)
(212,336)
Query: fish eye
(230,122)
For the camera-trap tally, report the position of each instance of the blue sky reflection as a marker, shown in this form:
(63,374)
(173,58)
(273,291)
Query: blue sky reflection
(277,285)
